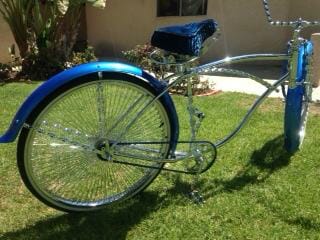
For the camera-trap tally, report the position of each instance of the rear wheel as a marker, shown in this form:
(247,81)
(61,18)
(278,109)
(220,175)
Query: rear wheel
(56,156)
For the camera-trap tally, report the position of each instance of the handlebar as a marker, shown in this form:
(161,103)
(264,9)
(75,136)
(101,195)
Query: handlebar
(298,23)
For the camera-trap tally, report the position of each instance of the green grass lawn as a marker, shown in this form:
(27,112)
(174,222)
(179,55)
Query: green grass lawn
(255,190)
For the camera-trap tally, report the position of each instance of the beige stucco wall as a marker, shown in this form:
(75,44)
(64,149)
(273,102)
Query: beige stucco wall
(6,40)
(123,24)
(126,23)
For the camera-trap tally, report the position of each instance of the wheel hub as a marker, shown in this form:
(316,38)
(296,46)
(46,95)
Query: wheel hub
(103,145)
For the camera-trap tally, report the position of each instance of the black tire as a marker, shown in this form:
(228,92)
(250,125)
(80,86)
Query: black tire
(296,113)
(62,173)
(297,104)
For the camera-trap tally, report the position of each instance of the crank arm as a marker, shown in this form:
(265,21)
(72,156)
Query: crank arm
(176,157)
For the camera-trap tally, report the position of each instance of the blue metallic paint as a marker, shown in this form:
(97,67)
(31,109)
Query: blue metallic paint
(292,122)
(66,76)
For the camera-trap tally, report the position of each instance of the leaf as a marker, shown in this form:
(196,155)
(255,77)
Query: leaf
(98,3)
(63,6)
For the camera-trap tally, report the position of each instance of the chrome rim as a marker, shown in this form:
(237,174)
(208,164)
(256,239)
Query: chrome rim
(71,177)
(307,95)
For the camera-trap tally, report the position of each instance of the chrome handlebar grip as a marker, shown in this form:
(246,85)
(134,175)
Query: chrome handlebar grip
(299,23)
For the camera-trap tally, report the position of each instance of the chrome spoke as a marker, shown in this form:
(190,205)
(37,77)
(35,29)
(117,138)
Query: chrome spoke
(65,150)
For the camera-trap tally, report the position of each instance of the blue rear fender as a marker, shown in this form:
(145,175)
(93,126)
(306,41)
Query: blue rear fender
(72,74)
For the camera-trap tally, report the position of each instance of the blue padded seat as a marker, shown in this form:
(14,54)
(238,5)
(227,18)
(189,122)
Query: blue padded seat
(184,39)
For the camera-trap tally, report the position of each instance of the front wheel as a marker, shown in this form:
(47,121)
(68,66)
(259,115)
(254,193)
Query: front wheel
(56,156)
(296,114)
(297,102)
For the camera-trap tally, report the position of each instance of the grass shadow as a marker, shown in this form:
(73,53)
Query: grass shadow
(305,223)
(272,156)
(263,163)
(23,81)
(110,223)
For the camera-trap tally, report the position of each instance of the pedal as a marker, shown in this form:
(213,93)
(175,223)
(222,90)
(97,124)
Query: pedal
(189,164)
(196,197)
(200,115)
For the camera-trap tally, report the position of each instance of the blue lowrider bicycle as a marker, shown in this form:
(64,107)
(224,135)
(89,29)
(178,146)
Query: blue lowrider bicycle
(101,132)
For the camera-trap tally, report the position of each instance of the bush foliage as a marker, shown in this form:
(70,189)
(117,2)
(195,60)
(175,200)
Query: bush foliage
(45,32)
(140,56)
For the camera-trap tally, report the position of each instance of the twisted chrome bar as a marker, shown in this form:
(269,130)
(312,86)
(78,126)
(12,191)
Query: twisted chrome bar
(244,58)
(298,23)
(216,67)
(269,17)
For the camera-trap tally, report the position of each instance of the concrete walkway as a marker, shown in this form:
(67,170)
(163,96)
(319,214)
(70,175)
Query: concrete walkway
(232,84)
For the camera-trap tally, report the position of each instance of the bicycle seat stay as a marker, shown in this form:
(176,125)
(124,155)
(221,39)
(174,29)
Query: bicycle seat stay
(184,39)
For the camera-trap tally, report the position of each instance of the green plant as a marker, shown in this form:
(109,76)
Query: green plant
(140,55)
(198,86)
(17,14)
(40,66)
(4,71)
(12,68)
(80,57)
(45,31)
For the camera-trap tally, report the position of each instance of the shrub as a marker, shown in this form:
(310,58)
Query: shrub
(45,32)
(4,71)
(87,55)
(140,55)
(40,66)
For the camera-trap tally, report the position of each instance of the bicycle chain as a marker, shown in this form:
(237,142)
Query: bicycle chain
(101,152)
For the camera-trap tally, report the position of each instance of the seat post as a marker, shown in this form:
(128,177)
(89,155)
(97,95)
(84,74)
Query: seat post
(180,63)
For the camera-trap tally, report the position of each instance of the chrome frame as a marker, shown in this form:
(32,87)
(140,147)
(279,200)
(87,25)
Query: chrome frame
(212,69)
(185,72)
(215,67)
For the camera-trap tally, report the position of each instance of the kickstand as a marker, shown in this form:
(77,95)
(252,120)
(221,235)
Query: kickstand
(195,195)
